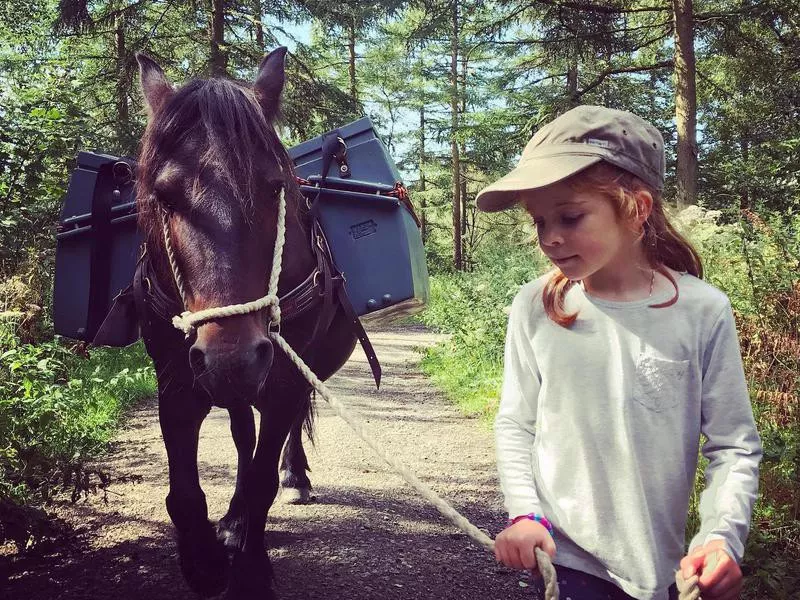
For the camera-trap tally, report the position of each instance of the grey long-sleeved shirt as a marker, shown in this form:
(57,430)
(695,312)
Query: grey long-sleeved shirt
(599,427)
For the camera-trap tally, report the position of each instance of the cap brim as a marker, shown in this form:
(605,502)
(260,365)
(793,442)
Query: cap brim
(533,174)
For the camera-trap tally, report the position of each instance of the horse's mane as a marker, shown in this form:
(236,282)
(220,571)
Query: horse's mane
(236,138)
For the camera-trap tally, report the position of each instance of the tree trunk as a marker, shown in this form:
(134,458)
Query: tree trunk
(685,103)
(463,168)
(351,47)
(457,257)
(122,80)
(608,94)
(423,222)
(653,98)
(259,26)
(219,56)
(572,83)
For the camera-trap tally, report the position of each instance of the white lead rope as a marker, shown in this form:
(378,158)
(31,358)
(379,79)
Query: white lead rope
(544,564)
(188,321)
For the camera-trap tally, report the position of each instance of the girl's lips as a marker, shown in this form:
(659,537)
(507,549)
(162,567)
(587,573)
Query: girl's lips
(561,261)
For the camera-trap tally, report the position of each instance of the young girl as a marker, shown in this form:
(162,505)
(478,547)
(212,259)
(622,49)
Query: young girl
(615,364)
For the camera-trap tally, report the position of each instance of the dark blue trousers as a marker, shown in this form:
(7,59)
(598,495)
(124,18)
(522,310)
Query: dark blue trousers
(577,585)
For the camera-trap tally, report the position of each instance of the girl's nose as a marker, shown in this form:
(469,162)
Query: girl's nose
(551,237)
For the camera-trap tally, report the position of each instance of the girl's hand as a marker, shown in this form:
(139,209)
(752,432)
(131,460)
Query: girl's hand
(720,575)
(514,546)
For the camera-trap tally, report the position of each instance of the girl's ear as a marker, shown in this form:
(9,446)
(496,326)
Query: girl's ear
(644,206)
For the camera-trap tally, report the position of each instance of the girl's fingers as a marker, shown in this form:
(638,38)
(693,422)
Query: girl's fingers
(516,560)
(528,557)
(691,564)
(727,588)
(714,567)
(503,553)
(549,546)
(517,549)
(719,579)
(500,552)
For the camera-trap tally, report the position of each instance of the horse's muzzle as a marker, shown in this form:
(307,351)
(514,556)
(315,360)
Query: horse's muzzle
(231,373)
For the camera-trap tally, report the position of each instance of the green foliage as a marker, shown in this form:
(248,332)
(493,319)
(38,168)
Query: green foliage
(752,258)
(40,123)
(473,309)
(58,409)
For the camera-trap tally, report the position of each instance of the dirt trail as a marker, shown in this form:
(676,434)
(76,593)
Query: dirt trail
(368,535)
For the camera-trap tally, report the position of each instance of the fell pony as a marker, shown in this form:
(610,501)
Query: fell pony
(210,180)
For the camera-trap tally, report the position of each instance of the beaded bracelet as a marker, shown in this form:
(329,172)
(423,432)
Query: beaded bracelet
(534,517)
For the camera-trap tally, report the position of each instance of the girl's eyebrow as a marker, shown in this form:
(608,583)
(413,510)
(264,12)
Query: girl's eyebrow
(565,202)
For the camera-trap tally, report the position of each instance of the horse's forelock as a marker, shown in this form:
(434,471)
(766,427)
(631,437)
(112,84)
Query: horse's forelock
(236,138)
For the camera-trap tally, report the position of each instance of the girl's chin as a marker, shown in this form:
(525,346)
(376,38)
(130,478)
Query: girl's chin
(571,267)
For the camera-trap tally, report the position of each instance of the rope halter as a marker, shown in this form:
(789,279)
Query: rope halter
(188,321)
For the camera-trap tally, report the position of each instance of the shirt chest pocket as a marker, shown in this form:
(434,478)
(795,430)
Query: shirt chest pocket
(659,383)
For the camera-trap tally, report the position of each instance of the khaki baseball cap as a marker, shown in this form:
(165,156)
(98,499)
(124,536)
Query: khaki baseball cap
(574,141)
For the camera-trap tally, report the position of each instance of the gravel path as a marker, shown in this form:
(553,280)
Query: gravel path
(367,536)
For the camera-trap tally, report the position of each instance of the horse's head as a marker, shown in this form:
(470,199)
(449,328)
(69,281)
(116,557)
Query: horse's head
(210,175)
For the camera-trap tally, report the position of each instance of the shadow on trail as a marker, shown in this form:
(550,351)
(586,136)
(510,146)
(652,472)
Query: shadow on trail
(387,546)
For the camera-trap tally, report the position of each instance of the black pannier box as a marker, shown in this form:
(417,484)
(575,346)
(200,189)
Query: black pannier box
(370,225)
(366,216)
(97,244)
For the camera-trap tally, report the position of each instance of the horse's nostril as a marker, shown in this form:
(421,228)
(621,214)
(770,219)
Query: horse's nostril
(263,353)
(197,358)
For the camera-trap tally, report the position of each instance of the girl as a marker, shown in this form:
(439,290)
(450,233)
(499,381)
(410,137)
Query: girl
(615,364)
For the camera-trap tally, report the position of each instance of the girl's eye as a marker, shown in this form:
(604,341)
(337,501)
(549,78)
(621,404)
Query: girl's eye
(571,219)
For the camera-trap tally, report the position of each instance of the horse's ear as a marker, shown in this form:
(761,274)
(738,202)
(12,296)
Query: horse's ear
(269,81)
(155,87)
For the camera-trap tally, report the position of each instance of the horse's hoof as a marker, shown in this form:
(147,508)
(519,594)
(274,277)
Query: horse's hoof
(251,578)
(230,531)
(203,561)
(292,495)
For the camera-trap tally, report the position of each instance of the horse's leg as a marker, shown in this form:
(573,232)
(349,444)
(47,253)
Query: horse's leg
(202,557)
(294,465)
(333,351)
(243,430)
(251,572)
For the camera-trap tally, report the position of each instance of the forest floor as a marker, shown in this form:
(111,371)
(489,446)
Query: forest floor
(367,534)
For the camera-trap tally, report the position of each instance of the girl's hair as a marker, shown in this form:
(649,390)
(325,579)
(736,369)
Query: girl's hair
(663,245)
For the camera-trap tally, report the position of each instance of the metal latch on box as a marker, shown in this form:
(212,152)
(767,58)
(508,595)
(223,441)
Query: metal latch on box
(334,147)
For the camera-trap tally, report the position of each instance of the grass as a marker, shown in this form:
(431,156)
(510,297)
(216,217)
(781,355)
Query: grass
(59,408)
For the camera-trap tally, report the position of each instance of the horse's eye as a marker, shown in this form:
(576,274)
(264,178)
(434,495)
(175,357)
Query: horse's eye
(168,187)
(164,200)
(274,186)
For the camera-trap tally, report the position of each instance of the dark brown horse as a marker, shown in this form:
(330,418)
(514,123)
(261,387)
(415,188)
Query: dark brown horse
(211,172)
